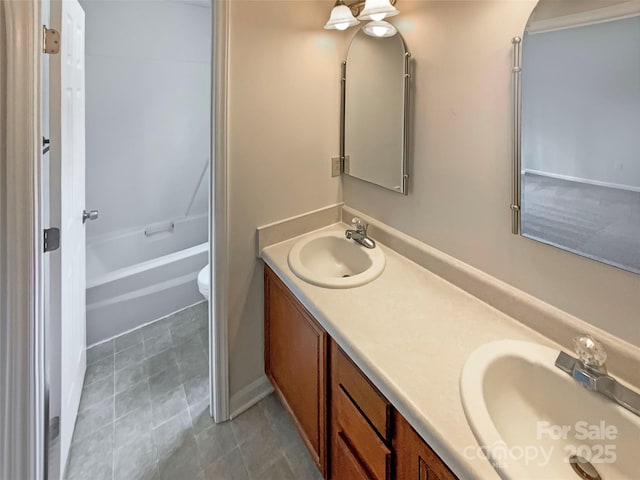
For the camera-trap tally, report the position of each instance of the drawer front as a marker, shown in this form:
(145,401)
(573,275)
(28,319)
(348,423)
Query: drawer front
(371,402)
(347,466)
(364,441)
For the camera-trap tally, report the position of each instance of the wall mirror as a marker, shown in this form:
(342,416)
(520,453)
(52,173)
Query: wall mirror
(375,99)
(577,132)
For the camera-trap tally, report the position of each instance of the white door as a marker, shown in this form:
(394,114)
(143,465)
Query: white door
(67,128)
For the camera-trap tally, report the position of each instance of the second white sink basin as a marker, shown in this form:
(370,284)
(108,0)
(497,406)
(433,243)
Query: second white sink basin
(529,417)
(328,259)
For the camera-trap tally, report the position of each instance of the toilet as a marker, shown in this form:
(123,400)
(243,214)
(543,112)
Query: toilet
(203,282)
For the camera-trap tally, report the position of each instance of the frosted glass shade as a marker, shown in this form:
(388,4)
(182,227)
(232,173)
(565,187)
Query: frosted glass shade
(379,29)
(377,10)
(341,18)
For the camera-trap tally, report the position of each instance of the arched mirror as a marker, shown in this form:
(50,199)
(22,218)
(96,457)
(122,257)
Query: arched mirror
(577,146)
(375,98)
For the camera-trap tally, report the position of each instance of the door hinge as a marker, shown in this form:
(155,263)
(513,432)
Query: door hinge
(51,239)
(50,40)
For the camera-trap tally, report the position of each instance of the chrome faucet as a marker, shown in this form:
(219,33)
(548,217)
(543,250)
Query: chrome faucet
(590,371)
(360,233)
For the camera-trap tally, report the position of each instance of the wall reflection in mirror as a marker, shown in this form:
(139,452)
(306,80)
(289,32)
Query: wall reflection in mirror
(580,129)
(375,99)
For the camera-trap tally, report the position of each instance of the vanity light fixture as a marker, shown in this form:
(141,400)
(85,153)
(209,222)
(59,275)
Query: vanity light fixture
(379,29)
(341,17)
(344,15)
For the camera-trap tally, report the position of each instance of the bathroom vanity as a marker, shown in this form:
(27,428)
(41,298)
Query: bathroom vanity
(351,430)
(387,380)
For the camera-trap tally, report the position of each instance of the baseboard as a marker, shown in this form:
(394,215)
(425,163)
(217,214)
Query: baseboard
(248,396)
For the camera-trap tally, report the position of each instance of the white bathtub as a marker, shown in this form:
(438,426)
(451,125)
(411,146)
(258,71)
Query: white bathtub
(133,279)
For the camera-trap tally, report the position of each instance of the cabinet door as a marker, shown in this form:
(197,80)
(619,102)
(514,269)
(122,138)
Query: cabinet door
(414,459)
(295,362)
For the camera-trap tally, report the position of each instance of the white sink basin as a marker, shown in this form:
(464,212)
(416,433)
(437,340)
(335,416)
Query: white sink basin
(328,259)
(517,403)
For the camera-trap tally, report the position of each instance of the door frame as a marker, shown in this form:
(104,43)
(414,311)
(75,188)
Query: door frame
(23,406)
(23,402)
(218,216)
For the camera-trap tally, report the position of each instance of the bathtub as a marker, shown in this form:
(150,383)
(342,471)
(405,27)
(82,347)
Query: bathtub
(134,277)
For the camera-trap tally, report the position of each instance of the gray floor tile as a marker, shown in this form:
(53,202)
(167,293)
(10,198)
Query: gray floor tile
(273,408)
(132,399)
(215,441)
(129,340)
(189,350)
(301,463)
(185,331)
(99,369)
(170,435)
(162,427)
(285,430)
(201,314)
(131,427)
(196,366)
(164,382)
(197,389)
(277,471)
(250,423)
(93,418)
(96,392)
(200,417)
(260,452)
(92,457)
(129,376)
(160,362)
(136,461)
(155,329)
(168,405)
(183,463)
(129,357)
(98,352)
(229,467)
(159,343)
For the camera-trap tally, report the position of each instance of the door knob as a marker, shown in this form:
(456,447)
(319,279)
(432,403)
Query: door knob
(89,215)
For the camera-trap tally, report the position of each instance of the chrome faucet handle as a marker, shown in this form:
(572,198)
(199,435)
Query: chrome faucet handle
(590,351)
(359,225)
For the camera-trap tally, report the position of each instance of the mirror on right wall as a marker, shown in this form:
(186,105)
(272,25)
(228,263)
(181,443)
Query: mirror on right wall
(577,145)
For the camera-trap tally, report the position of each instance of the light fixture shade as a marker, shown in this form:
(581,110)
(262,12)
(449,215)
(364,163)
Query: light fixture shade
(341,18)
(376,10)
(379,29)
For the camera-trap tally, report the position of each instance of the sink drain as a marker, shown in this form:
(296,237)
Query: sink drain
(583,468)
(346,275)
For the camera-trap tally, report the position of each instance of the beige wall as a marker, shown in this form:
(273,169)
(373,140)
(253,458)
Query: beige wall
(283,128)
(460,186)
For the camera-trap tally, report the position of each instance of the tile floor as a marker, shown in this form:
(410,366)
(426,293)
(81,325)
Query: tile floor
(144,415)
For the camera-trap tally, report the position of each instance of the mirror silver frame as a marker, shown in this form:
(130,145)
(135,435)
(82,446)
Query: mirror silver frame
(517,136)
(405,127)
(516,203)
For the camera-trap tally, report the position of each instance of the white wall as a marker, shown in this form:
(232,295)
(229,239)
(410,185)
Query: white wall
(148,107)
(459,191)
(284,87)
(576,84)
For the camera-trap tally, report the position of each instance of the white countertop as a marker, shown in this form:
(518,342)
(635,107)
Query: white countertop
(410,332)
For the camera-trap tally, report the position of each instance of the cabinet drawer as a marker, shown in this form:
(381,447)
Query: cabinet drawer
(366,444)
(347,465)
(372,403)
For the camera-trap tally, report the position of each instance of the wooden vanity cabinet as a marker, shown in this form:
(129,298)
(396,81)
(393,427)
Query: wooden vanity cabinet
(351,430)
(295,357)
(360,423)
(414,459)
